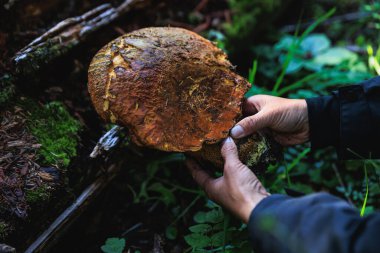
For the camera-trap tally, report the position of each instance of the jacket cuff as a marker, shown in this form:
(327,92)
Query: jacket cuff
(355,123)
(323,113)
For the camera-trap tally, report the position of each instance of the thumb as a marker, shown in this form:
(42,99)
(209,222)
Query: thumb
(230,152)
(250,125)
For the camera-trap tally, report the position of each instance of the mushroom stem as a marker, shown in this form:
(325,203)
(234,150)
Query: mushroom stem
(256,151)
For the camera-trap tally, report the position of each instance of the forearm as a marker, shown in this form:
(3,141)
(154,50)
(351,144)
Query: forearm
(314,223)
(349,120)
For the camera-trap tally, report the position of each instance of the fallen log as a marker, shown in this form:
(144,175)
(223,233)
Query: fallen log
(52,234)
(67,34)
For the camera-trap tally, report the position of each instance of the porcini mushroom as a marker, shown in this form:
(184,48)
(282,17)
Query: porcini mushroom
(174,91)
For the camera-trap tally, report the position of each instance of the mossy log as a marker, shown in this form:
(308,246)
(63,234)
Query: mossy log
(37,143)
(67,34)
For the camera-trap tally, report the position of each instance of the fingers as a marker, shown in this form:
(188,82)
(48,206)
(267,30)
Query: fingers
(254,104)
(200,176)
(230,153)
(250,125)
(249,108)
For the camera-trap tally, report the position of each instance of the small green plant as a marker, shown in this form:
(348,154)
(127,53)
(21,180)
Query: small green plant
(150,189)
(218,38)
(114,245)
(373,9)
(374,59)
(40,194)
(301,65)
(214,232)
(314,53)
(312,66)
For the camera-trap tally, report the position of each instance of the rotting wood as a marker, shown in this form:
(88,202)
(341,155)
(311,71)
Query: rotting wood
(108,141)
(67,34)
(50,236)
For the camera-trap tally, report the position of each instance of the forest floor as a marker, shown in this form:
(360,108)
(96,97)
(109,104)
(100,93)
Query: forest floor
(48,126)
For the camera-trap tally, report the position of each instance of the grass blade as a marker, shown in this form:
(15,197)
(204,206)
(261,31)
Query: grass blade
(295,45)
(295,162)
(297,84)
(252,72)
(362,211)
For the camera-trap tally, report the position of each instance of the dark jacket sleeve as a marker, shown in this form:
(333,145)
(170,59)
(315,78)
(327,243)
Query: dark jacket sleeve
(348,119)
(317,223)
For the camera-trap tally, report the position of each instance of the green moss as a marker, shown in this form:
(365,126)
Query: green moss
(29,64)
(56,130)
(40,194)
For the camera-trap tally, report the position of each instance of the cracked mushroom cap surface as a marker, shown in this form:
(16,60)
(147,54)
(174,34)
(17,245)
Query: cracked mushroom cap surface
(172,89)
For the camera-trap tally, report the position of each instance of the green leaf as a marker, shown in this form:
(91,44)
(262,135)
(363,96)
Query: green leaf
(198,240)
(114,245)
(213,216)
(335,56)
(171,232)
(313,66)
(217,239)
(166,195)
(200,228)
(294,65)
(285,43)
(200,217)
(315,43)
(256,90)
(359,67)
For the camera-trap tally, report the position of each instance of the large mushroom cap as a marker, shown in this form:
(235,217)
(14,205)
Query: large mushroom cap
(172,89)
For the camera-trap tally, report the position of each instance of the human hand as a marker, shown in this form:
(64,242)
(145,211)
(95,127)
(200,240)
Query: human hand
(287,119)
(238,189)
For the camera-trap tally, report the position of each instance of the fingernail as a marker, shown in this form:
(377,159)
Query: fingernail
(237,131)
(228,139)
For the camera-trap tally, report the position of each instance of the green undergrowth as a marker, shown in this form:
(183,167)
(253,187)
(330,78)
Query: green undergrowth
(57,132)
(307,63)
(40,194)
